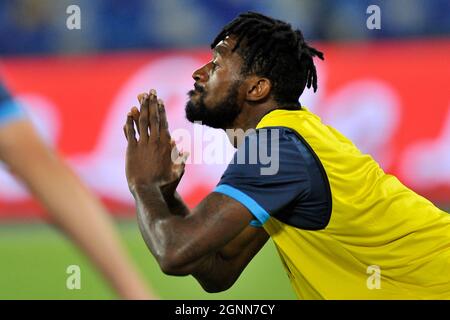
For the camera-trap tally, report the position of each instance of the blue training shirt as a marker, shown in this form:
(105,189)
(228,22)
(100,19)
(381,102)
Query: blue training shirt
(295,194)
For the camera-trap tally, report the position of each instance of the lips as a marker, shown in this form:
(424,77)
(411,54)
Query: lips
(198,88)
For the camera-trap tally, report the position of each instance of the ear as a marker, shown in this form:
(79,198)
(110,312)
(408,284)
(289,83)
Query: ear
(258,88)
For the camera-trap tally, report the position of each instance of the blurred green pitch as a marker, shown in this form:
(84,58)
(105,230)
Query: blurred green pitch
(34,258)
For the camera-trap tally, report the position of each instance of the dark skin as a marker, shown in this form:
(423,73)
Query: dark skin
(213,242)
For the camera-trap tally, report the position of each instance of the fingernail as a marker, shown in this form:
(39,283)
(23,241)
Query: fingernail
(153,92)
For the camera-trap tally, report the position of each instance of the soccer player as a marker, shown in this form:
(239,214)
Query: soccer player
(68,201)
(343,228)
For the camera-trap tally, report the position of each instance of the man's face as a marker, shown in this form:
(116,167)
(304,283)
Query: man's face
(216,100)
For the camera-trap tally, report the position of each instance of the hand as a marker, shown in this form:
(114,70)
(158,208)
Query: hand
(152,159)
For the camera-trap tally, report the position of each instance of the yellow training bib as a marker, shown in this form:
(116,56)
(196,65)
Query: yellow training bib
(383,241)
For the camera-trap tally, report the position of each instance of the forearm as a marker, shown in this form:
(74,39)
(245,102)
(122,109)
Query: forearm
(219,271)
(179,243)
(175,203)
(169,236)
(70,205)
(162,230)
(83,217)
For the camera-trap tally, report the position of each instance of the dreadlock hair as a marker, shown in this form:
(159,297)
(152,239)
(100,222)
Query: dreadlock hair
(271,48)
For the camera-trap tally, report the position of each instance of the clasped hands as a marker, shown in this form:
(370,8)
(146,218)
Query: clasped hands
(152,158)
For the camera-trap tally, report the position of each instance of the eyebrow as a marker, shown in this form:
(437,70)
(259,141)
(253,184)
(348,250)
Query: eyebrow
(220,49)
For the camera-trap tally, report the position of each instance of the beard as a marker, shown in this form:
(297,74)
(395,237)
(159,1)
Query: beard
(220,115)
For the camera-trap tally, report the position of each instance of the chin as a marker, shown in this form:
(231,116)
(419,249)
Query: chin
(192,111)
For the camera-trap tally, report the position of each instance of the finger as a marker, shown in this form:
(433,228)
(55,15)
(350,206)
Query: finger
(163,124)
(135,114)
(153,115)
(129,130)
(135,122)
(179,171)
(143,119)
(140,96)
(180,174)
(173,146)
(174,153)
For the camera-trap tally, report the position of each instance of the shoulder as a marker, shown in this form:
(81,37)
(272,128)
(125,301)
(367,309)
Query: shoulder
(266,151)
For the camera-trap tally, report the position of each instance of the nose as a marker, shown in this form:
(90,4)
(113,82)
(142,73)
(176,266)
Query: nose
(200,75)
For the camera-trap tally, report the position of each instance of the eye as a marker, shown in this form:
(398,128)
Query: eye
(214,65)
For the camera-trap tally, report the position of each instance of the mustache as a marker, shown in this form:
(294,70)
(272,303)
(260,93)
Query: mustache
(198,89)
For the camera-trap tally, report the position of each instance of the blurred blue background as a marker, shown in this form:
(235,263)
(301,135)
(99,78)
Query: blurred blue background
(38,26)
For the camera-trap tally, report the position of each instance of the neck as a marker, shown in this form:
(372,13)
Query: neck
(251,115)
(249,118)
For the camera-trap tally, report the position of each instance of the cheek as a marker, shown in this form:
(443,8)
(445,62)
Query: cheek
(212,91)
(217,87)
(209,99)
(213,83)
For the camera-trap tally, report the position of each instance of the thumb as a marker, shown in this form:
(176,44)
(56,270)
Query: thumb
(180,163)
(184,156)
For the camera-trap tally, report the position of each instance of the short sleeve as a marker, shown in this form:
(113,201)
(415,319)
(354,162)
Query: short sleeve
(267,173)
(9,108)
